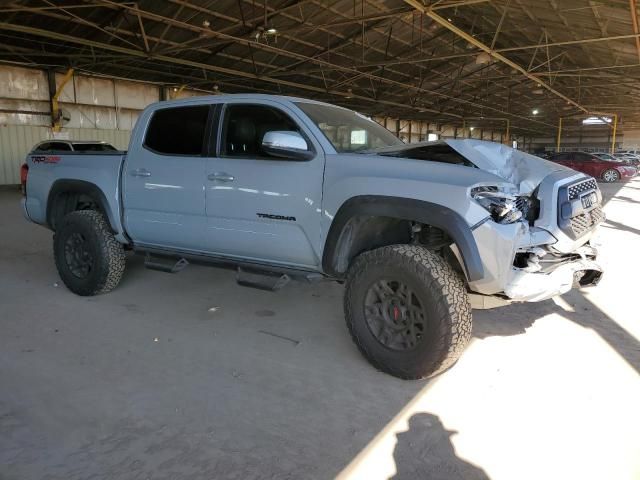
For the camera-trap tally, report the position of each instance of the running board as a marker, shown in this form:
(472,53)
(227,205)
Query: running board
(261,279)
(155,264)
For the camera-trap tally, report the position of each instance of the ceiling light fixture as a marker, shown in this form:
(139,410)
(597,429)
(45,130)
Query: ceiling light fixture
(596,121)
(535,111)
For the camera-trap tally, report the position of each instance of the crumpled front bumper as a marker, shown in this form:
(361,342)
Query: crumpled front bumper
(498,245)
(536,286)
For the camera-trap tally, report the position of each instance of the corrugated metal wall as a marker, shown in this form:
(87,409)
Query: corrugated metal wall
(17,140)
(94,108)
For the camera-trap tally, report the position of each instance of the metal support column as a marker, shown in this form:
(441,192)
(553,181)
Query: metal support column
(559,134)
(55,107)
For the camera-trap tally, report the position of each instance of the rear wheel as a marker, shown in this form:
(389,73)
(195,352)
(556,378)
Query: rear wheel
(88,257)
(611,175)
(407,310)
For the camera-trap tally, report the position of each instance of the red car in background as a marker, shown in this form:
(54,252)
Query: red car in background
(605,170)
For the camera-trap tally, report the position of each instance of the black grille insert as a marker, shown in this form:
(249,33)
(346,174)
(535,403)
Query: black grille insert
(574,218)
(576,190)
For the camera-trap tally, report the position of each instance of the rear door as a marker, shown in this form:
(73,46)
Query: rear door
(259,206)
(163,179)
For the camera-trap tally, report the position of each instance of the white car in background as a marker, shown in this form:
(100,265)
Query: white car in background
(73,146)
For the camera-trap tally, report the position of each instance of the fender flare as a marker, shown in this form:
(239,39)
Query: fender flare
(421,211)
(85,188)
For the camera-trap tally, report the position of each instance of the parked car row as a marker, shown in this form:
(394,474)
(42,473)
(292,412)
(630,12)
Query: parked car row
(603,166)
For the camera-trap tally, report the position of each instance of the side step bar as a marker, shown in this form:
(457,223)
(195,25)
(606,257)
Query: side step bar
(159,265)
(261,279)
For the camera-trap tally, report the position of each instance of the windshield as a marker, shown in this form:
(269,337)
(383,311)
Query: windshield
(93,147)
(347,130)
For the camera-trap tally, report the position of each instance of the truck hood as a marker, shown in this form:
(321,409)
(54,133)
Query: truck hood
(521,169)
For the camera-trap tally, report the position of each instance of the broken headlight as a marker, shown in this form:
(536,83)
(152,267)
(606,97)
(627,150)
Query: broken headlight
(501,205)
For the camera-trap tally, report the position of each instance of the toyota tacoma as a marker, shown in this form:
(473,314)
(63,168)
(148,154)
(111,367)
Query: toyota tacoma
(280,187)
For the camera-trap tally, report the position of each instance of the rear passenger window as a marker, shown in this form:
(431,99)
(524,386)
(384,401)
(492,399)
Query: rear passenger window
(178,131)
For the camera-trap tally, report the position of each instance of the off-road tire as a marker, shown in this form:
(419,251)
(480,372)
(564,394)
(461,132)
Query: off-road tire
(108,255)
(445,303)
(611,175)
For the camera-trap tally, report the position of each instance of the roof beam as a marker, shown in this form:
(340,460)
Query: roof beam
(498,56)
(242,74)
(193,64)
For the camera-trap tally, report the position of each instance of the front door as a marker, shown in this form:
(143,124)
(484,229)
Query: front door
(163,180)
(262,207)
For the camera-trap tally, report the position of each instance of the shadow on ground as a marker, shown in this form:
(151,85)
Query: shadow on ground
(425,451)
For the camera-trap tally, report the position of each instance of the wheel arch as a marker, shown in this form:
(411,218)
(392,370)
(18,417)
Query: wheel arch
(606,169)
(356,228)
(63,198)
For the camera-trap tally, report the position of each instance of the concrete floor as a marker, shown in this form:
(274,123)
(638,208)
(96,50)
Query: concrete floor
(190,376)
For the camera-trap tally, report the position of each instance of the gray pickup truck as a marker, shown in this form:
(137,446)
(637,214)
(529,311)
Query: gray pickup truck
(282,187)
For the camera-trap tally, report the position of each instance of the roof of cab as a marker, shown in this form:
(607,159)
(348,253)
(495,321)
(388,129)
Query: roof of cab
(234,96)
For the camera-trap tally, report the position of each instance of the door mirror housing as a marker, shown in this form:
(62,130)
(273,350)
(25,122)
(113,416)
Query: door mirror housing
(286,144)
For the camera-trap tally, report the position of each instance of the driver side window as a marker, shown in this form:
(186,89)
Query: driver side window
(245,126)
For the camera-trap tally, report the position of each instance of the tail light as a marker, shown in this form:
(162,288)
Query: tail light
(24,172)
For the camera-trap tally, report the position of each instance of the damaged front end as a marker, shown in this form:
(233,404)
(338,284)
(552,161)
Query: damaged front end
(536,242)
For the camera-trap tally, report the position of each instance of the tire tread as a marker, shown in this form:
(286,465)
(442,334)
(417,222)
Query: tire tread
(111,252)
(452,310)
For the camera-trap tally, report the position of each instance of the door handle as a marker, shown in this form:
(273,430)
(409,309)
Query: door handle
(221,177)
(141,172)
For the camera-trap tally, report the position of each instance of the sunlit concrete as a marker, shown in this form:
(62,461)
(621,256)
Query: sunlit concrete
(191,376)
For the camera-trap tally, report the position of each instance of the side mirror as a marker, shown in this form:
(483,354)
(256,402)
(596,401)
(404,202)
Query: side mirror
(286,144)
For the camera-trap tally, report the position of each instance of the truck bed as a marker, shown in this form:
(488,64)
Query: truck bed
(49,173)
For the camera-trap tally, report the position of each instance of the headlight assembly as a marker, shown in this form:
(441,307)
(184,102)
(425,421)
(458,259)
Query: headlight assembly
(501,205)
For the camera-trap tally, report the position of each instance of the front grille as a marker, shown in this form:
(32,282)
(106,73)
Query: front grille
(576,190)
(584,222)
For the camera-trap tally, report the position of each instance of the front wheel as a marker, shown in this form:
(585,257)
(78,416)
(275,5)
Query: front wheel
(88,257)
(611,175)
(407,310)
